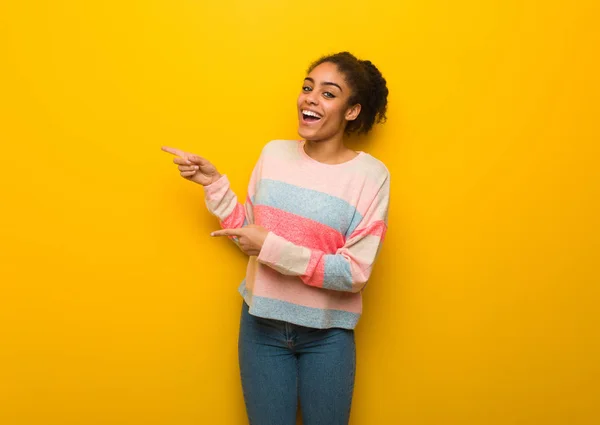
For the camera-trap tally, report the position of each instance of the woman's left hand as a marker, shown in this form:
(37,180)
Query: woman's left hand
(250,238)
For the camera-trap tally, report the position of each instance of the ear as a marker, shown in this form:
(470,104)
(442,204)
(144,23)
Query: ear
(352,112)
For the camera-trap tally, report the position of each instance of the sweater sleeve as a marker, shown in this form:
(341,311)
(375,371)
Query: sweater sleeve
(223,203)
(350,267)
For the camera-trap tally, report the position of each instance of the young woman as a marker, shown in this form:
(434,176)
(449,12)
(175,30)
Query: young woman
(312,225)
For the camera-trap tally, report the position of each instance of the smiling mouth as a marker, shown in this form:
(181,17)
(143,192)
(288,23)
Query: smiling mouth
(310,116)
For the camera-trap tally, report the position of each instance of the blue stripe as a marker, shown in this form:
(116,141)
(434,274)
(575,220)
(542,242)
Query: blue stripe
(337,273)
(314,205)
(300,315)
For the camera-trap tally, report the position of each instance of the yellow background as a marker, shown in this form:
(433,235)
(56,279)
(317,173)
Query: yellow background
(117,307)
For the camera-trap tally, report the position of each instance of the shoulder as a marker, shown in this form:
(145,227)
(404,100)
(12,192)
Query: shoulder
(279,150)
(375,168)
(279,145)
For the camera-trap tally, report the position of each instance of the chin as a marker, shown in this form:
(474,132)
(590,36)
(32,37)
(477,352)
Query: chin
(313,135)
(306,134)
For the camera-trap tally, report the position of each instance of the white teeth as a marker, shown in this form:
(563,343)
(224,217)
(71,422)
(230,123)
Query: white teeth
(311,114)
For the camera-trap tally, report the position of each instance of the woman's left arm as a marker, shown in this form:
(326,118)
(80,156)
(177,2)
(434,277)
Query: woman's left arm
(349,268)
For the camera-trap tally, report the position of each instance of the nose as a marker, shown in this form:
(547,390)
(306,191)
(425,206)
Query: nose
(311,98)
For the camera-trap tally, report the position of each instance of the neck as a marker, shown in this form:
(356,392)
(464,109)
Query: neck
(329,151)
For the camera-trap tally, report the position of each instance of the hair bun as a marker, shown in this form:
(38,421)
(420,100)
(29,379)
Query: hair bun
(379,90)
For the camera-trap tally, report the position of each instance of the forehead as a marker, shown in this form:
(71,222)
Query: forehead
(328,72)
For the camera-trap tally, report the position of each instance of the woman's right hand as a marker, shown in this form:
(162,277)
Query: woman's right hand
(193,167)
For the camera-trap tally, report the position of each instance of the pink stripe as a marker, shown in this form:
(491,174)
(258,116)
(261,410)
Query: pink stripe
(236,218)
(270,284)
(298,230)
(360,271)
(317,268)
(377,228)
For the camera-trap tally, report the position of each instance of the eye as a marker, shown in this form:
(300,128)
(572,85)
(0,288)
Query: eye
(328,95)
(306,89)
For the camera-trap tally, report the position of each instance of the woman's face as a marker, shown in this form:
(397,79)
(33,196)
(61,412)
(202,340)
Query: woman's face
(323,109)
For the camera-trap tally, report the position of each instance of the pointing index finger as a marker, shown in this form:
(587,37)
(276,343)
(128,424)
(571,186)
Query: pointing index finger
(173,151)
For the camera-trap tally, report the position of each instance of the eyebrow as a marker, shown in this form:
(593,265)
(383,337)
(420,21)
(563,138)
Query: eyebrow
(324,83)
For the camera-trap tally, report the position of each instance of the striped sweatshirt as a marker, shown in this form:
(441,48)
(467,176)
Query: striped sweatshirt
(326,224)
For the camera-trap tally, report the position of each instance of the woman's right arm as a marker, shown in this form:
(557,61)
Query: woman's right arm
(220,200)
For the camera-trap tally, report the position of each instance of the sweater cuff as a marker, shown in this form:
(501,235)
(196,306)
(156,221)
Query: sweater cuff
(271,249)
(216,186)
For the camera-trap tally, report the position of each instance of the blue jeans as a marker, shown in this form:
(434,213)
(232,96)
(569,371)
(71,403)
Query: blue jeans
(282,363)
